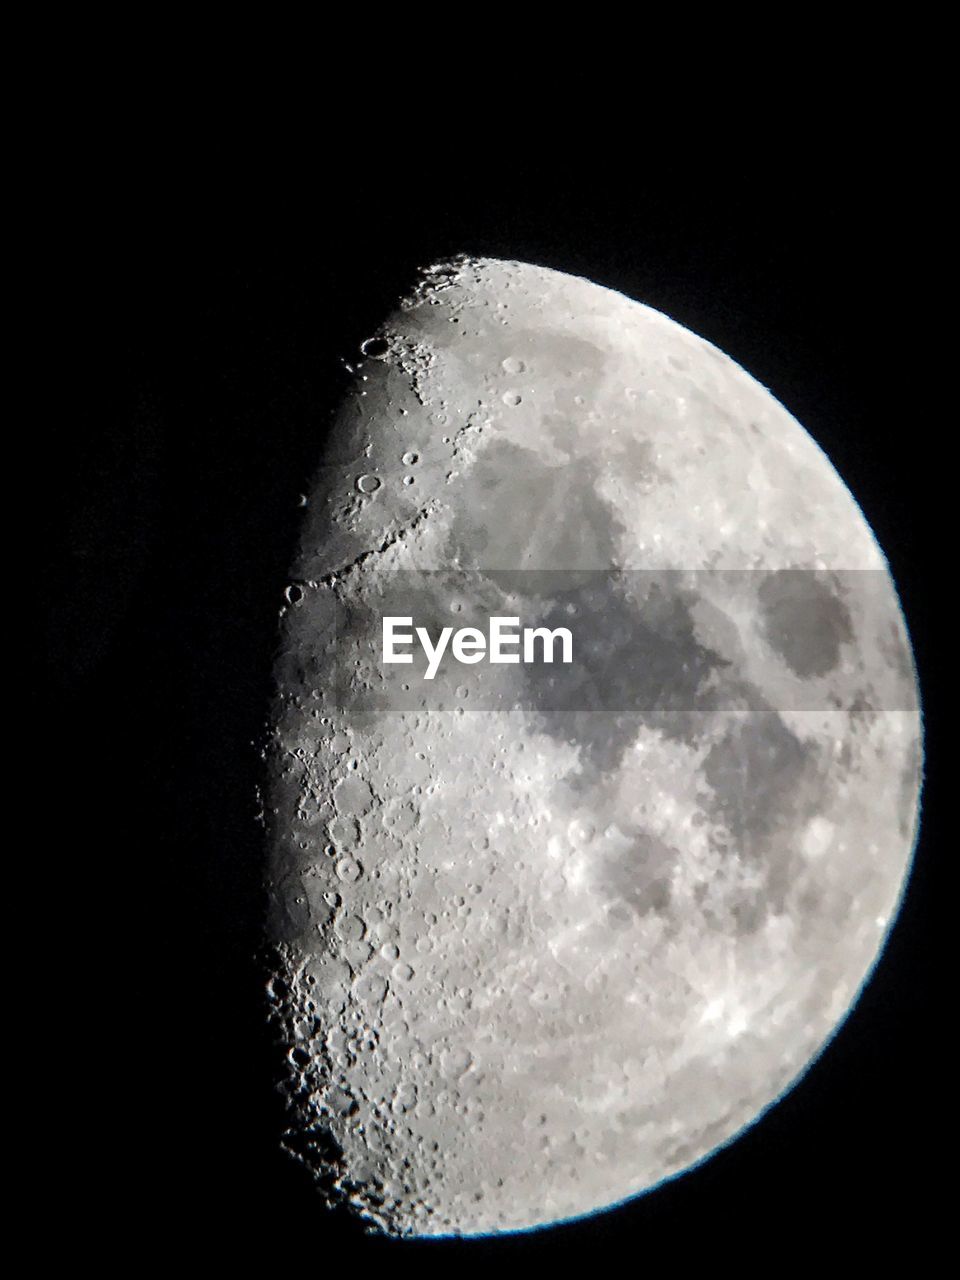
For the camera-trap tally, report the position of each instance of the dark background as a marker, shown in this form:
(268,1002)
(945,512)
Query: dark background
(199,350)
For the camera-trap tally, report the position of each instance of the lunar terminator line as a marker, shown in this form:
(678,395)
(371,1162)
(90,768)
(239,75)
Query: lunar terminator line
(544,942)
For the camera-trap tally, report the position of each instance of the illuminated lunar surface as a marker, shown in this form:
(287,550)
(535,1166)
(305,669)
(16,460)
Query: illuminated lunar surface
(541,947)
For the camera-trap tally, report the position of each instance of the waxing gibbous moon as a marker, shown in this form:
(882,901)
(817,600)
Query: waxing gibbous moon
(548,936)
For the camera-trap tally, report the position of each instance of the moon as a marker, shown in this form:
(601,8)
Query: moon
(545,936)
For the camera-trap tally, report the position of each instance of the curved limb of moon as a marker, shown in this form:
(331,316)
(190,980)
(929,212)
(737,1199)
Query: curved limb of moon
(545,942)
